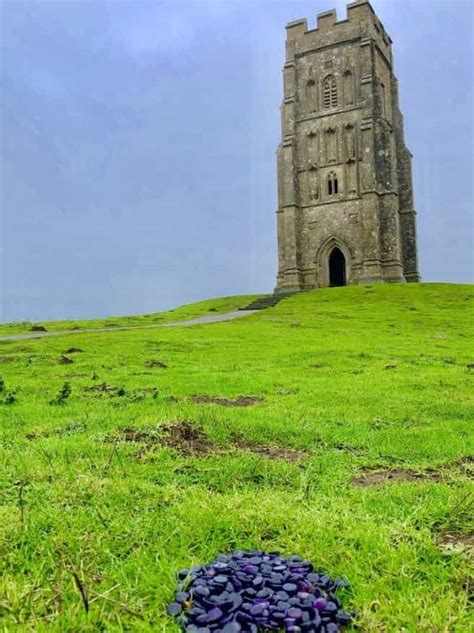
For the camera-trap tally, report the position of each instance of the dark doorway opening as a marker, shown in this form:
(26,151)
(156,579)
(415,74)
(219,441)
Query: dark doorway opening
(337,268)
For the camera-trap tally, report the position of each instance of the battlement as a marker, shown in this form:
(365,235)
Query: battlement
(361,18)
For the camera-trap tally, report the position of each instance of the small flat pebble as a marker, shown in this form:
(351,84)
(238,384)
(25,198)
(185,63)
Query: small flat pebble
(175,608)
(232,627)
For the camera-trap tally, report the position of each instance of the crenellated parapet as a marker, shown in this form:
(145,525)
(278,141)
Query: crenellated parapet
(361,22)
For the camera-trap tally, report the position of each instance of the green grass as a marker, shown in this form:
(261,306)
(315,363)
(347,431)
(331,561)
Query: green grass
(360,377)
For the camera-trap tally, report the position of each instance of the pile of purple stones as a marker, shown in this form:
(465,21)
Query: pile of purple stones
(256,591)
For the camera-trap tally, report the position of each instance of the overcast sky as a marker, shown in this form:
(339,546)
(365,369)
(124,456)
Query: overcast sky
(138,147)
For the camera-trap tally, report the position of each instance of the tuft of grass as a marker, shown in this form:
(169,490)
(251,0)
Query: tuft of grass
(10,397)
(100,508)
(62,395)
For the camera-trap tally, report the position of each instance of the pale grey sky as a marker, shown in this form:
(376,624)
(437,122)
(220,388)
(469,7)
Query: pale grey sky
(138,147)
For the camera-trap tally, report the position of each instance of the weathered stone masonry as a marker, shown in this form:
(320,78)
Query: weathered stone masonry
(345,195)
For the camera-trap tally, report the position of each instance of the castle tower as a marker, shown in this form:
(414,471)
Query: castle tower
(345,195)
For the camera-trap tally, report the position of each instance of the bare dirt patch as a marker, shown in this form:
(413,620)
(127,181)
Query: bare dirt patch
(65,360)
(398,475)
(37,435)
(133,395)
(457,542)
(466,462)
(374,477)
(153,362)
(38,328)
(73,350)
(272,452)
(7,359)
(102,388)
(188,439)
(74,376)
(240,401)
(183,436)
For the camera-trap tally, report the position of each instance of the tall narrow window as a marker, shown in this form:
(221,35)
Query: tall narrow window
(330,92)
(333,185)
(313,147)
(350,141)
(311,96)
(383,97)
(348,88)
(330,141)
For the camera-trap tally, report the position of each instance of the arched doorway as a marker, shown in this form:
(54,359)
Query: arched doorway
(337,268)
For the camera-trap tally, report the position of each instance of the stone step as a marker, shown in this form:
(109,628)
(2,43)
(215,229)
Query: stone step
(262,303)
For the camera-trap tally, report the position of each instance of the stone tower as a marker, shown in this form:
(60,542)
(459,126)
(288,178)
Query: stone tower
(345,195)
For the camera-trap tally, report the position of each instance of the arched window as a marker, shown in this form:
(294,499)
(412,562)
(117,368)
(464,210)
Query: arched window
(333,185)
(330,92)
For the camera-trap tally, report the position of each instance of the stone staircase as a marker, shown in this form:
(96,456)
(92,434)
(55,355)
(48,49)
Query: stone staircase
(268,301)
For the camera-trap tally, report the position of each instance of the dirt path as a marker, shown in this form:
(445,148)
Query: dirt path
(214,318)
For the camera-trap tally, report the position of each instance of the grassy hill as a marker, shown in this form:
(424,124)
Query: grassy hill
(352,449)
(183,313)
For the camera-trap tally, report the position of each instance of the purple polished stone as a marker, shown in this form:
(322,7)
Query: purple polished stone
(295,613)
(182,596)
(214,615)
(175,608)
(320,604)
(258,609)
(232,627)
(250,569)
